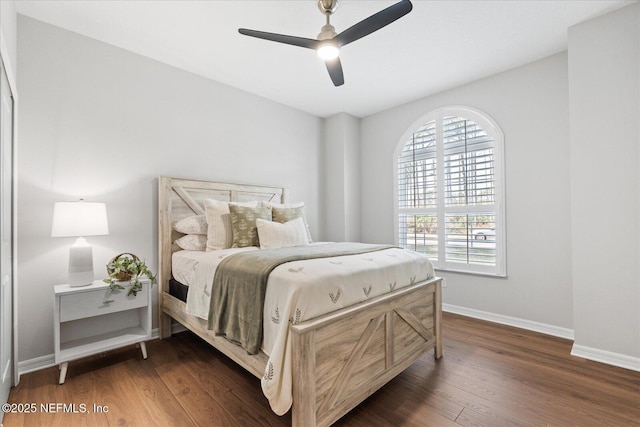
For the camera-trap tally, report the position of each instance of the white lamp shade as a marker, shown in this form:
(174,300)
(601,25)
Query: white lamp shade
(73,219)
(78,219)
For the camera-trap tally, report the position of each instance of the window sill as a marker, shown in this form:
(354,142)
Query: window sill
(471,273)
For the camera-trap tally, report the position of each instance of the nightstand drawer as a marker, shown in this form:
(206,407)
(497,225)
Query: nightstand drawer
(101,301)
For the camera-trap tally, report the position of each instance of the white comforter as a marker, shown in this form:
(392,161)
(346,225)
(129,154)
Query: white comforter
(301,290)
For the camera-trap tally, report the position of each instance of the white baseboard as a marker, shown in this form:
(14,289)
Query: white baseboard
(530,325)
(36,364)
(49,360)
(615,359)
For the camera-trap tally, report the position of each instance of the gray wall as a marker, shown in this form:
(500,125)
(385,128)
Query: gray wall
(342,178)
(101,123)
(9,29)
(604,88)
(531,106)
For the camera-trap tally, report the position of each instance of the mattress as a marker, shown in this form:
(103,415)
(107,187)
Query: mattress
(299,291)
(178,290)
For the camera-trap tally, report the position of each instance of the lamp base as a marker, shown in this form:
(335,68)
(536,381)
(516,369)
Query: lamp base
(80,263)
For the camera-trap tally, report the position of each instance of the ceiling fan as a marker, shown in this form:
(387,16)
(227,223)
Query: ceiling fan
(329,42)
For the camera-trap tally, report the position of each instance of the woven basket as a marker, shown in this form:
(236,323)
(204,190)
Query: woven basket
(122,276)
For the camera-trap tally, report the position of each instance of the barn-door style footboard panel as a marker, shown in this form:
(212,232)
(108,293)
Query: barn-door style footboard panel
(342,358)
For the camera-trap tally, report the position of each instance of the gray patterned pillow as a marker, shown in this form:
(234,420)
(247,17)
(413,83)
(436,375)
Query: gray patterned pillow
(283,215)
(243,224)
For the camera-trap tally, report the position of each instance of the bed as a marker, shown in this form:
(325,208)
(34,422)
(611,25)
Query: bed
(337,359)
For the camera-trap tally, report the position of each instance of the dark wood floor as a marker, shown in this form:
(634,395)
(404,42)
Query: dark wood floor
(490,375)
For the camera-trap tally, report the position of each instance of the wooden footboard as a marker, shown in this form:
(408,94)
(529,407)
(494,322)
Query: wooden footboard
(342,358)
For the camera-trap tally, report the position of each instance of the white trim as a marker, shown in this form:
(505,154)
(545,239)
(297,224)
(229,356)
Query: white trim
(615,359)
(47,361)
(6,64)
(529,325)
(36,364)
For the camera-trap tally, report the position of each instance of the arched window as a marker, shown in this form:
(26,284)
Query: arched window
(449,191)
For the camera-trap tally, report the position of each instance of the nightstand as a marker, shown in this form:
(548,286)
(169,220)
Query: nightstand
(93,319)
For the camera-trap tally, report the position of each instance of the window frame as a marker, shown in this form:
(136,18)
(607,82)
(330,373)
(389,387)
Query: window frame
(493,130)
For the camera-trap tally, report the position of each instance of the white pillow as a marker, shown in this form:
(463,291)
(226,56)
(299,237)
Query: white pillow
(276,235)
(192,242)
(219,232)
(194,224)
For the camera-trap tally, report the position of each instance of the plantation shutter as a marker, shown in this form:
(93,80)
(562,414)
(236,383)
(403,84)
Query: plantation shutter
(469,190)
(418,192)
(447,194)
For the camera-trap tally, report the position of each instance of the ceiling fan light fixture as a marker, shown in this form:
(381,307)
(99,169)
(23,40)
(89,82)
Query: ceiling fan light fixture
(328,50)
(328,42)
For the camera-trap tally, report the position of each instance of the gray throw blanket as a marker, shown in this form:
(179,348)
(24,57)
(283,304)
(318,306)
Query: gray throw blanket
(240,283)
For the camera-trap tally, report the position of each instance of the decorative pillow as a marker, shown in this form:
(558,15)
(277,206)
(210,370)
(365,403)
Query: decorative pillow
(219,231)
(195,224)
(283,215)
(286,212)
(282,205)
(243,224)
(192,242)
(277,235)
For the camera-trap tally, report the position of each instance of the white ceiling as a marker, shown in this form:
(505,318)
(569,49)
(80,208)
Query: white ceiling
(439,45)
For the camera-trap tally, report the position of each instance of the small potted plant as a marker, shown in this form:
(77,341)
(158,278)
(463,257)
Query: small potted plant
(128,268)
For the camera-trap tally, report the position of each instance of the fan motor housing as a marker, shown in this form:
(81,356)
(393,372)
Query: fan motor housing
(327,6)
(328,32)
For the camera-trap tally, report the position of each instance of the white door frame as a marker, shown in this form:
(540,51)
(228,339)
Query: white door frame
(4,60)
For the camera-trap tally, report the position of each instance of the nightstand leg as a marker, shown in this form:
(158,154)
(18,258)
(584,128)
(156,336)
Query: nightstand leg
(143,347)
(63,371)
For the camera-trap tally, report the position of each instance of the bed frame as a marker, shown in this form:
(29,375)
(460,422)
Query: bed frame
(339,359)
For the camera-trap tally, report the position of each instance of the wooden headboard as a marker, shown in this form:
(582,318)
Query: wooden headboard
(179,198)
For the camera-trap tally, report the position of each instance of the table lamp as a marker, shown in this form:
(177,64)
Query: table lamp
(79,219)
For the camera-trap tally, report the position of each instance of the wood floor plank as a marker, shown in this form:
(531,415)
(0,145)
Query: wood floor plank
(533,375)
(199,402)
(513,393)
(413,412)
(490,375)
(229,384)
(150,389)
(395,394)
(471,418)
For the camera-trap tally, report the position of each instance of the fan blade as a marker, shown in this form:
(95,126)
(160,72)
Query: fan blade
(281,38)
(374,22)
(335,71)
